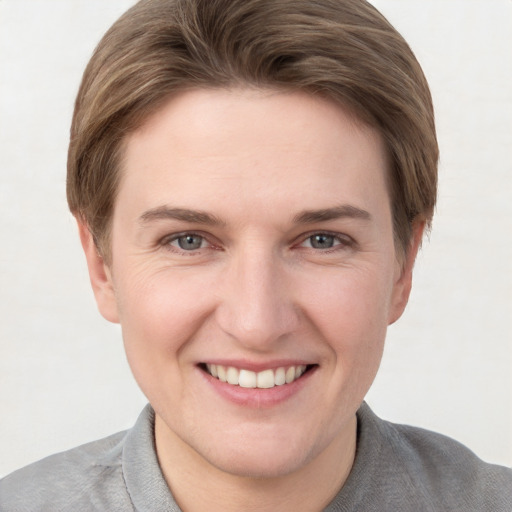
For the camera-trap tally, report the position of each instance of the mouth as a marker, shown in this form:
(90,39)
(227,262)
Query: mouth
(264,379)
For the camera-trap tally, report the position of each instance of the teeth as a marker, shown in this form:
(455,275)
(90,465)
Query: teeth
(265,379)
(280,377)
(232,376)
(262,380)
(247,379)
(221,373)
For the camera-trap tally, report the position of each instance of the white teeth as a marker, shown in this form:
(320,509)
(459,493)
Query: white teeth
(221,372)
(263,380)
(232,376)
(280,377)
(247,379)
(266,379)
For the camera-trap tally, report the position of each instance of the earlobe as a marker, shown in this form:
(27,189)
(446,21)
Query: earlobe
(403,284)
(100,276)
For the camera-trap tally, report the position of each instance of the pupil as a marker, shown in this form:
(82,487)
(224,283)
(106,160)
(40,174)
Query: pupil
(190,242)
(322,241)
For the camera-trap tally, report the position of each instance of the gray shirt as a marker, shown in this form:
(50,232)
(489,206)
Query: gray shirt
(397,468)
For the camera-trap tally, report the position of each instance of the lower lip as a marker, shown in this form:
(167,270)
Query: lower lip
(256,397)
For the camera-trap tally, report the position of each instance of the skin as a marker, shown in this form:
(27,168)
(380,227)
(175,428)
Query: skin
(256,291)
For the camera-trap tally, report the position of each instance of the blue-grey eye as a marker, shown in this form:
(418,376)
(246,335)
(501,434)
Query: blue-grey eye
(189,242)
(322,241)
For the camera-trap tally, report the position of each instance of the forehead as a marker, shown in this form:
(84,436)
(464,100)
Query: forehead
(206,113)
(253,144)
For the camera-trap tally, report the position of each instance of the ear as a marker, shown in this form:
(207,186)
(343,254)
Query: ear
(100,276)
(403,283)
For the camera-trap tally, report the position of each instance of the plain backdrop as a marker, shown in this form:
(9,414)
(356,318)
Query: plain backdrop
(447,365)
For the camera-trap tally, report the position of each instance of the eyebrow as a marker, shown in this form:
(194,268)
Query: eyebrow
(337,212)
(202,217)
(183,214)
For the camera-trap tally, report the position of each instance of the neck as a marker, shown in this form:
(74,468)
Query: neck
(197,485)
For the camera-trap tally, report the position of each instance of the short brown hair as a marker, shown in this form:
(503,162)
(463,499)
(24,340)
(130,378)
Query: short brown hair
(344,50)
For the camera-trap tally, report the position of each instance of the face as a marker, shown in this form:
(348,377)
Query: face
(253,273)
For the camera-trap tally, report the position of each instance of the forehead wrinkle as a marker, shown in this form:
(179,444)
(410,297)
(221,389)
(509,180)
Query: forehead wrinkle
(181,214)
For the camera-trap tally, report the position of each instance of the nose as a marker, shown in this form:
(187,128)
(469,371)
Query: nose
(256,305)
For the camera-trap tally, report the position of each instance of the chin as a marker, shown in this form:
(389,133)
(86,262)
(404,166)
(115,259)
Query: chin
(260,466)
(270,457)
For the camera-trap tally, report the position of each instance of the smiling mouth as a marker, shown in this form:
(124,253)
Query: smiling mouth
(263,380)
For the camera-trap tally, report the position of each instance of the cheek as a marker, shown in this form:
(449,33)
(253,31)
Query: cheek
(349,313)
(160,312)
(350,309)
(161,301)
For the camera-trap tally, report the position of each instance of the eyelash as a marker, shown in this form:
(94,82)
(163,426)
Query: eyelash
(340,241)
(167,241)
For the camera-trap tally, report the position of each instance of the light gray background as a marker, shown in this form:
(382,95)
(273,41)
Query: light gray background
(447,366)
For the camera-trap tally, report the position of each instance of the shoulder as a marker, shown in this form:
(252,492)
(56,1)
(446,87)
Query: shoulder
(89,474)
(445,460)
(445,473)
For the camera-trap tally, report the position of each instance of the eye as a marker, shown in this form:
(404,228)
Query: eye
(322,241)
(325,241)
(188,242)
